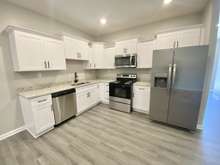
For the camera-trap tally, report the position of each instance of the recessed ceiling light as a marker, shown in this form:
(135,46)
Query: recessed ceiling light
(166,2)
(103,21)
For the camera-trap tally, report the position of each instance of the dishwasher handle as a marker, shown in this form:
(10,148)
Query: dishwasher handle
(62,93)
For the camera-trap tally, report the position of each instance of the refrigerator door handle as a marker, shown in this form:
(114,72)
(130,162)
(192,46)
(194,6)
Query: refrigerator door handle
(174,75)
(169,77)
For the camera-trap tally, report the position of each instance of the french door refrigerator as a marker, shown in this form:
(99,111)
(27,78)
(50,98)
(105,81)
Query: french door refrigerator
(177,85)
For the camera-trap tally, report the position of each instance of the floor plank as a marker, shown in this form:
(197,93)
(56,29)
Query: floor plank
(103,136)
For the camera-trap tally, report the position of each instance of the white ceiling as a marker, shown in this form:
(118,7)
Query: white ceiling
(121,14)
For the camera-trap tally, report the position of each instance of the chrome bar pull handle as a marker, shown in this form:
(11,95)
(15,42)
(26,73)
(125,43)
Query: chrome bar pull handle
(169,77)
(174,75)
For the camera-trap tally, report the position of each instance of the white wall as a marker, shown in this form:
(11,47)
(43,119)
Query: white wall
(214,8)
(10,82)
(148,31)
(216,87)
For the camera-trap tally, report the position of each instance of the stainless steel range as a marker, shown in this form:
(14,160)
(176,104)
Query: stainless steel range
(121,92)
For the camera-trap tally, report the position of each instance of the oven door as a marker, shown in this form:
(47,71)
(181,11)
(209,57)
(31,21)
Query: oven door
(125,61)
(120,91)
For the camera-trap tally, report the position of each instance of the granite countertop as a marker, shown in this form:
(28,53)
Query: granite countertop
(56,88)
(142,83)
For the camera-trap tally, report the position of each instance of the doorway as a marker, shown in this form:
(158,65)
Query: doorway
(211,121)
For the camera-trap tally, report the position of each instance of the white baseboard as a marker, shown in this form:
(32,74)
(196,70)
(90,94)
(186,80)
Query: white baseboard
(11,133)
(199,126)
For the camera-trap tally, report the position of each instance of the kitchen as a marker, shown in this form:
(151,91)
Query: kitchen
(41,92)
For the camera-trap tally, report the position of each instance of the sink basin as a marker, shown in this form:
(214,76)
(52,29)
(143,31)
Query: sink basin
(80,83)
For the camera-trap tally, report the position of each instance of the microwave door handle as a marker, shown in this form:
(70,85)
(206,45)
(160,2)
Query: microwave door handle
(169,77)
(174,75)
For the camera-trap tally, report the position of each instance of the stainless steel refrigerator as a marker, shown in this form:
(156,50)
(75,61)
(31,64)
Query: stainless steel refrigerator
(177,85)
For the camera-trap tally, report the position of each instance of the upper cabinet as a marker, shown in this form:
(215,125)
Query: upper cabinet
(145,54)
(32,52)
(95,56)
(126,47)
(109,58)
(75,49)
(181,38)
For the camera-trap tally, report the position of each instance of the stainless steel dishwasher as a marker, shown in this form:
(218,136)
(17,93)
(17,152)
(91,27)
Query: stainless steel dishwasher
(64,105)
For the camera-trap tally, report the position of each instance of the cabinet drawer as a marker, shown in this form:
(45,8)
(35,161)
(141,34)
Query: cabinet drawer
(40,101)
(86,88)
(140,89)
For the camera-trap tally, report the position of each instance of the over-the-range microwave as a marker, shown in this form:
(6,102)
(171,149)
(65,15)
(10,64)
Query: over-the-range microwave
(126,61)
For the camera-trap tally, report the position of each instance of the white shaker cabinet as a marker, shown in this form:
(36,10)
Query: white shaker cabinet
(26,50)
(126,47)
(98,50)
(109,58)
(54,53)
(86,97)
(33,52)
(141,99)
(75,49)
(38,114)
(181,38)
(91,59)
(166,40)
(189,37)
(145,54)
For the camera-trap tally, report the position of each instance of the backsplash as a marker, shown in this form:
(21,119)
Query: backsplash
(142,74)
(33,80)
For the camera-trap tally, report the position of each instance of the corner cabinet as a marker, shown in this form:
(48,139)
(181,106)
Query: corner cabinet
(145,54)
(38,114)
(75,49)
(33,52)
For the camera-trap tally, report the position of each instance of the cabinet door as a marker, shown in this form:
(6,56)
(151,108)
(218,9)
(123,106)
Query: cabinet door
(43,118)
(83,50)
(166,40)
(98,55)
(189,37)
(109,58)
(75,49)
(126,47)
(54,54)
(145,54)
(141,99)
(69,48)
(82,103)
(93,96)
(90,63)
(29,51)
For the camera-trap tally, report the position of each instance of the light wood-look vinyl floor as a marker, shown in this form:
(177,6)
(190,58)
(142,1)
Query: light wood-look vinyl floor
(106,137)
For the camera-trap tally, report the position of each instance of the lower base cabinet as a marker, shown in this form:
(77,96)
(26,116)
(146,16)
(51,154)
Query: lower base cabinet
(104,92)
(38,115)
(87,97)
(141,99)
